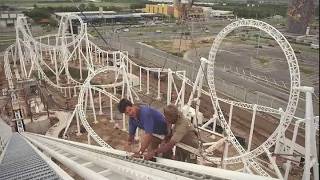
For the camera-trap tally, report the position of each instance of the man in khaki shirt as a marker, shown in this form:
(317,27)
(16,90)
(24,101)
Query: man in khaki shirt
(182,131)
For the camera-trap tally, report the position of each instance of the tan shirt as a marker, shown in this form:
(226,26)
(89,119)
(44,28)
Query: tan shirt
(183,131)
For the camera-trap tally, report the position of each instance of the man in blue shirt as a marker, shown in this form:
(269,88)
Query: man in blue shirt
(146,118)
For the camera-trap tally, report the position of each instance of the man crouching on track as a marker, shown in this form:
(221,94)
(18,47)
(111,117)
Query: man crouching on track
(150,120)
(183,131)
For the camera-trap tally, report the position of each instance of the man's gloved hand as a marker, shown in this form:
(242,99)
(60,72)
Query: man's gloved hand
(150,155)
(128,147)
(137,154)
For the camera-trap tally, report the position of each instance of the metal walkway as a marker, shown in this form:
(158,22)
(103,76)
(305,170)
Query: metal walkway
(113,164)
(23,160)
(20,161)
(94,162)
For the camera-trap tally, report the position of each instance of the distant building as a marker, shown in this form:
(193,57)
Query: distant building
(8,18)
(165,9)
(170,10)
(103,17)
(209,13)
(86,13)
(277,17)
(315,46)
(300,14)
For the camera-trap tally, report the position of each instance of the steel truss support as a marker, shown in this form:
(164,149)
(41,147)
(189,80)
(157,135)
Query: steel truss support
(311,156)
(31,52)
(293,99)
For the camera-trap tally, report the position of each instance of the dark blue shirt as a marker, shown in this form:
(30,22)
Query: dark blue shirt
(150,120)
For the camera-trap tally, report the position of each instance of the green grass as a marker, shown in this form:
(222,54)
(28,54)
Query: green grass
(306,70)
(75,73)
(40,3)
(166,46)
(304,48)
(263,60)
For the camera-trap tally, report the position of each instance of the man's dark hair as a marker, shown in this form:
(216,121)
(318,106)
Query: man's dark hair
(123,104)
(172,113)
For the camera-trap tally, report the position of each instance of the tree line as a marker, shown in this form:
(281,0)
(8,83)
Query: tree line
(257,11)
(39,13)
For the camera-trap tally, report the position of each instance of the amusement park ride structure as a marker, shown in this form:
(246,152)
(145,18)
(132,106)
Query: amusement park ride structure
(31,56)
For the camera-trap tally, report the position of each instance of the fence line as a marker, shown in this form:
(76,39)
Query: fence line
(230,89)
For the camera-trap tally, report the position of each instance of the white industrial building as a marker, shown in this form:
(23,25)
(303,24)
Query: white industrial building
(8,18)
(209,12)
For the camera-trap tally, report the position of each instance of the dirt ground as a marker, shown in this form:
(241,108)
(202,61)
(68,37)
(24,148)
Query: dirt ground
(111,132)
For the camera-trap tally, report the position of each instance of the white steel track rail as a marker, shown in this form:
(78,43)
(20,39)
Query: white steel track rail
(294,92)
(63,49)
(92,162)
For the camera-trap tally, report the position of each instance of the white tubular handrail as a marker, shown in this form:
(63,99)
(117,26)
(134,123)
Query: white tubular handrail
(54,166)
(77,168)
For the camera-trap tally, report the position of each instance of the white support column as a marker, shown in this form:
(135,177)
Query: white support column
(217,115)
(183,89)
(233,91)
(95,54)
(114,90)
(21,57)
(198,82)
(48,42)
(169,89)
(199,88)
(291,148)
(65,92)
(311,159)
(56,65)
(99,57)
(252,126)
(111,110)
(226,144)
(86,100)
(122,92)
(69,89)
(92,105)
(78,125)
(315,163)
(74,91)
(72,35)
(245,95)
(80,62)
(140,80)
(274,164)
(272,101)
(103,59)
(258,97)
(148,81)
(214,125)
(70,119)
(130,65)
(40,48)
(51,57)
(281,135)
(100,104)
(89,139)
(124,122)
(159,97)
(14,56)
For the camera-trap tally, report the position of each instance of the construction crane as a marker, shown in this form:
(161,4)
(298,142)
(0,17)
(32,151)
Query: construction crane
(182,7)
(300,14)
